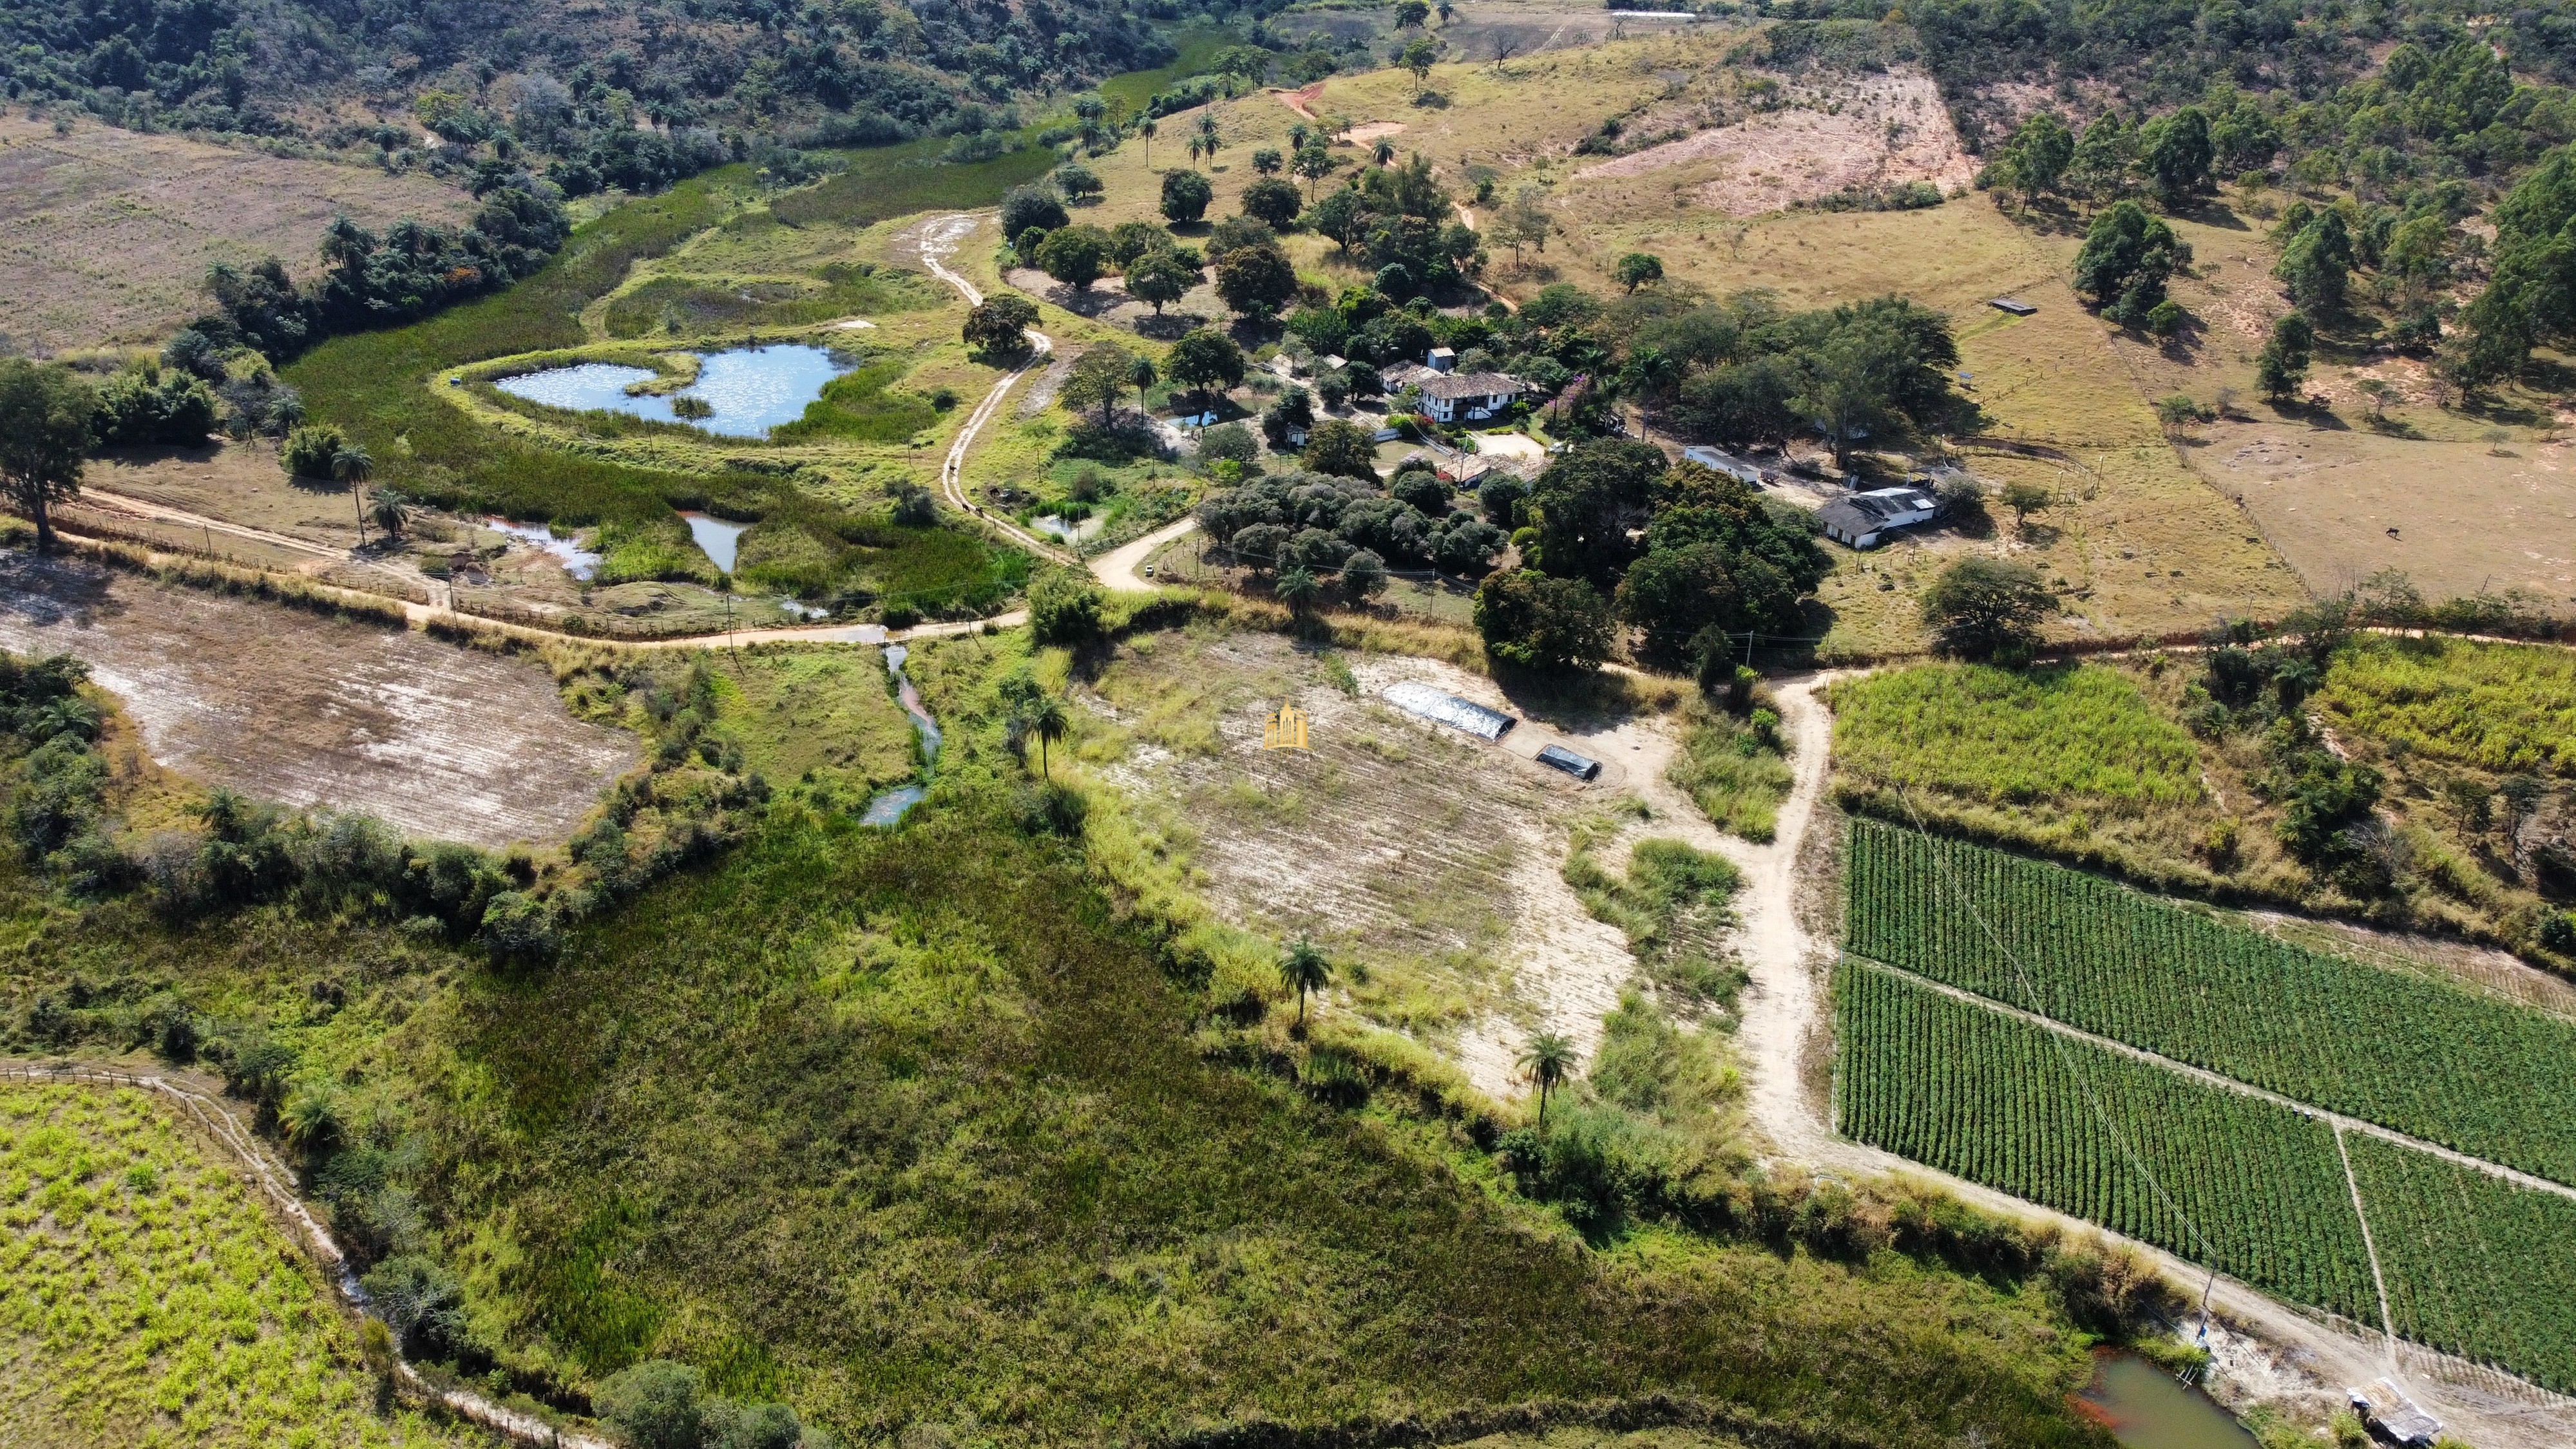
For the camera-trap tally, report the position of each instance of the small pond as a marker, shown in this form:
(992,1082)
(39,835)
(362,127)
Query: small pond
(717,536)
(1069,532)
(579,562)
(888,808)
(2146,1408)
(752,389)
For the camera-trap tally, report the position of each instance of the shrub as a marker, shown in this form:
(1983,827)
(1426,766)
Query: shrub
(1064,607)
(309,451)
(656,1404)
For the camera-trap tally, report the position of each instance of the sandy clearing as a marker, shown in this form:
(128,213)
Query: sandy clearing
(449,743)
(1361,135)
(1769,160)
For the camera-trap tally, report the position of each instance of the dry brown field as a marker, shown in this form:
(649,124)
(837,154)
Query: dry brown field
(106,234)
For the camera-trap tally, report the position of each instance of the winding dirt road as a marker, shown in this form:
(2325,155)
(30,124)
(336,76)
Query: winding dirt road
(940,238)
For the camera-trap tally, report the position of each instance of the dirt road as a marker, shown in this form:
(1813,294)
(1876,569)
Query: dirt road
(1116,569)
(939,240)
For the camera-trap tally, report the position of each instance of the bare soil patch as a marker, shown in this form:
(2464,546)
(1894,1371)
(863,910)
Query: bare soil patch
(312,712)
(1426,862)
(2342,504)
(106,234)
(1882,130)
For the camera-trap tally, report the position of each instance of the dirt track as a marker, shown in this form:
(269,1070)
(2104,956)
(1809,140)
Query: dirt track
(450,743)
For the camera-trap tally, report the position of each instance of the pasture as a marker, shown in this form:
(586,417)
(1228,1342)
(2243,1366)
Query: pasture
(149,1301)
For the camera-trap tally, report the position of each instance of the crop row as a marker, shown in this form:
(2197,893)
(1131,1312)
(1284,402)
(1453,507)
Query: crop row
(2476,1266)
(2249,1187)
(2411,1053)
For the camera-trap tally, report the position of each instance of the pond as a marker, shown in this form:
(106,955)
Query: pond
(1069,532)
(751,389)
(579,562)
(716,536)
(888,808)
(2145,1407)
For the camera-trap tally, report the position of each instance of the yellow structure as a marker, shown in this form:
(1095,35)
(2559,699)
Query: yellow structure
(1285,730)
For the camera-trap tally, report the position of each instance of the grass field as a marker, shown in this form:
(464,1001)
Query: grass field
(146,1299)
(2065,734)
(2253,1189)
(109,232)
(2390,1047)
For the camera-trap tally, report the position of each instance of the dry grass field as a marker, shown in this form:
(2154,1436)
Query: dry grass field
(442,742)
(105,233)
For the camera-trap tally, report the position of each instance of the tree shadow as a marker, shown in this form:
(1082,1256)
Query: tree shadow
(53,589)
(1169,326)
(2312,411)
(2212,211)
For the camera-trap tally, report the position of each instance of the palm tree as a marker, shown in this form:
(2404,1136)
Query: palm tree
(387,515)
(1048,722)
(1298,587)
(1145,128)
(1302,970)
(1383,152)
(352,465)
(1546,1062)
(1446,10)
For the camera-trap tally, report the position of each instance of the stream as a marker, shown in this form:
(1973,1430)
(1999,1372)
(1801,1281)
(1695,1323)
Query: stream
(888,808)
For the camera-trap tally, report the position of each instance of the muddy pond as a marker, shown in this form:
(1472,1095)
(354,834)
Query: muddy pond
(2145,1407)
(750,390)
(717,537)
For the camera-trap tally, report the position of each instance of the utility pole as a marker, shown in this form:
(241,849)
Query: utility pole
(360,511)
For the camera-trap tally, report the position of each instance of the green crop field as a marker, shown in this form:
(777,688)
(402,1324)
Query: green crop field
(2409,1053)
(2476,1266)
(2013,1105)
(2506,707)
(2000,736)
(145,1299)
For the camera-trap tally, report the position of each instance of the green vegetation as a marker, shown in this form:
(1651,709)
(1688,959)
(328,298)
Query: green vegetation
(2502,707)
(857,407)
(2476,1266)
(146,1299)
(1672,905)
(769,1114)
(2410,1053)
(1734,770)
(886,182)
(693,307)
(2014,1106)
(2078,736)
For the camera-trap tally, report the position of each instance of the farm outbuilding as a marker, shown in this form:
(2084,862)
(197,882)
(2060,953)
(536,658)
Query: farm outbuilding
(1865,519)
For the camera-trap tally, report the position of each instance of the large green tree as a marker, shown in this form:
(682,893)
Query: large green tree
(1536,621)
(1160,277)
(1987,608)
(1256,281)
(44,433)
(2127,257)
(1587,502)
(1206,361)
(1186,195)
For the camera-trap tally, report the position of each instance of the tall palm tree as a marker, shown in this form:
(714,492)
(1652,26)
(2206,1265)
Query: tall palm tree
(352,465)
(1048,722)
(1546,1062)
(1302,970)
(1145,128)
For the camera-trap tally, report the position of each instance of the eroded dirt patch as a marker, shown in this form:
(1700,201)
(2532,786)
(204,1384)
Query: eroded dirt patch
(313,712)
(1882,130)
